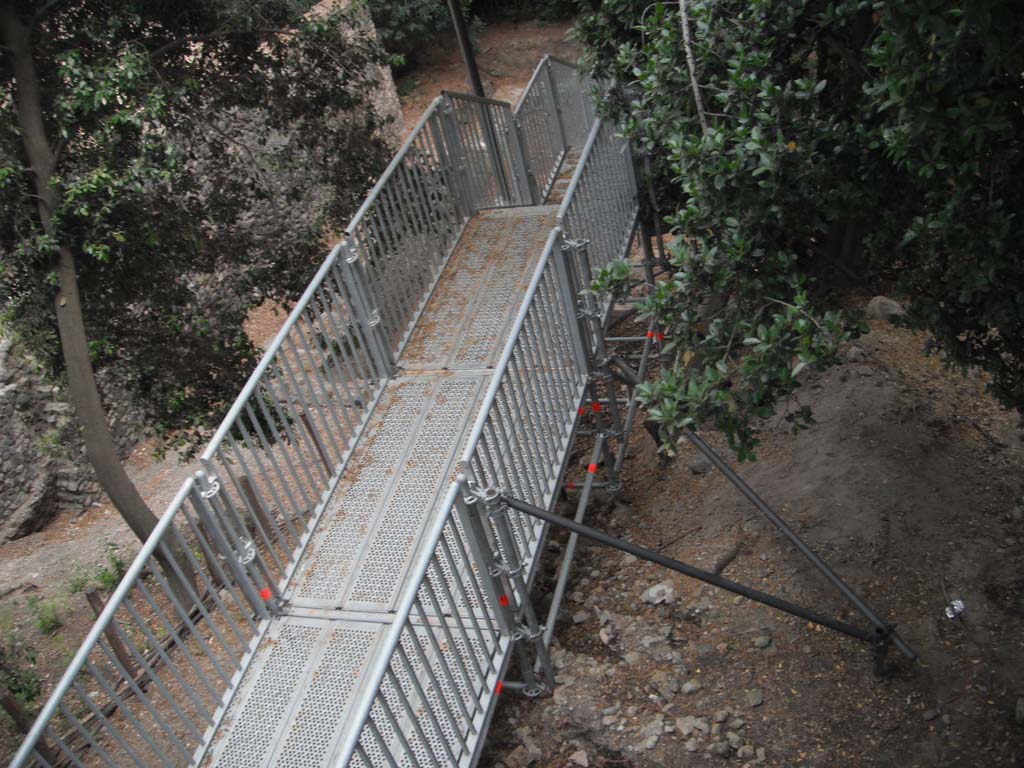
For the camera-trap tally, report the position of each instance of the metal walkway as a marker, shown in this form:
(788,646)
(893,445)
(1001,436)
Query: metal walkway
(339,584)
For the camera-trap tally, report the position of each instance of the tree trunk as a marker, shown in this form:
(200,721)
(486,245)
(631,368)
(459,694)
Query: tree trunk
(85,397)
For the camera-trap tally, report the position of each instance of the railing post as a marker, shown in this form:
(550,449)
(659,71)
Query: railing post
(512,570)
(364,306)
(524,175)
(556,106)
(568,289)
(205,489)
(484,555)
(495,151)
(457,158)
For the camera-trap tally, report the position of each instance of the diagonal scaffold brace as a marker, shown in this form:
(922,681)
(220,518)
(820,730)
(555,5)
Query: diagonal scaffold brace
(881,636)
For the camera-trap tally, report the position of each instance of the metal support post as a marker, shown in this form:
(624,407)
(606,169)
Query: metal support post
(570,548)
(876,638)
(518,590)
(495,151)
(364,306)
(457,158)
(205,489)
(484,553)
(520,170)
(854,599)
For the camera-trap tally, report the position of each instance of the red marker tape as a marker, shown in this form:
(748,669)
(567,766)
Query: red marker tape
(595,407)
(592,469)
(497,688)
(661,337)
(650,334)
(265,593)
(569,486)
(581,410)
(503,600)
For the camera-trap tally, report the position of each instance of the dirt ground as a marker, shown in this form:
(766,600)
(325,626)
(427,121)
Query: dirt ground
(911,485)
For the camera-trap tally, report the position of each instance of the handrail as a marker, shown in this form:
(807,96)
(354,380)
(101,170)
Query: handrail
(375,190)
(102,621)
(530,84)
(268,357)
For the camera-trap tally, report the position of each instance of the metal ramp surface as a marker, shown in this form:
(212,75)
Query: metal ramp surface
(293,700)
(339,583)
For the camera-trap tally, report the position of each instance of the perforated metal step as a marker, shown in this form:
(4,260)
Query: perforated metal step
(466,321)
(290,707)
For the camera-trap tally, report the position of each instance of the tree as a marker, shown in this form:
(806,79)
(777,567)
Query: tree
(165,168)
(872,142)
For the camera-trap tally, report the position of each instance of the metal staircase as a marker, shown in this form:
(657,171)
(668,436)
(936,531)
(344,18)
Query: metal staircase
(341,582)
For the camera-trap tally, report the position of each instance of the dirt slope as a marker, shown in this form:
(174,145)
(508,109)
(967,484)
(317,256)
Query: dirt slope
(911,486)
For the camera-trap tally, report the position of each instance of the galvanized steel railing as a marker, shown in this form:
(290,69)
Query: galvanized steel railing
(463,156)
(601,204)
(153,675)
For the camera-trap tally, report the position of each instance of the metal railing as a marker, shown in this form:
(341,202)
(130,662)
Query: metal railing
(159,668)
(519,444)
(601,204)
(204,584)
(461,157)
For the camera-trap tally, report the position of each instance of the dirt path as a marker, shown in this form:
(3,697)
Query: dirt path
(912,486)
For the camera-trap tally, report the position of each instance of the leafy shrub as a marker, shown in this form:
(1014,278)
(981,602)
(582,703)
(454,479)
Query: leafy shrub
(407,27)
(47,615)
(109,576)
(17,668)
(873,141)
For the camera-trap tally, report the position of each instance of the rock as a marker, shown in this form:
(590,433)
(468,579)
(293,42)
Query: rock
(579,757)
(692,686)
(736,723)
(650,734)
(559,658)
(855,355)
(700,465)
(755,697)
(721,748)
(762,755)
(633,658)
(691,745)
(614,709)
(930,714)
(659,593)
(762,641)
(518,757)
(686,725)
(580,617)
(746,752)
(665,684)
(883,308)
(721,716)
(734,739)
(606,634)
(1019,711)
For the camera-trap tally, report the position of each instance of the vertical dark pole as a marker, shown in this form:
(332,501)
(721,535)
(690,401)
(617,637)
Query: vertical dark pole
(472,73)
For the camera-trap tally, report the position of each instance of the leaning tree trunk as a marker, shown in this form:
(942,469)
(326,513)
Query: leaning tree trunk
(85,397)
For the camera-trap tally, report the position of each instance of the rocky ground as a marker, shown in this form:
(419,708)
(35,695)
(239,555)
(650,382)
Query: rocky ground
(911,486)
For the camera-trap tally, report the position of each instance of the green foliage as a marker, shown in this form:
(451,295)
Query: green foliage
(407,27)
(109,576)
(872,140)
(46,614)
(18,666)
(203,152)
